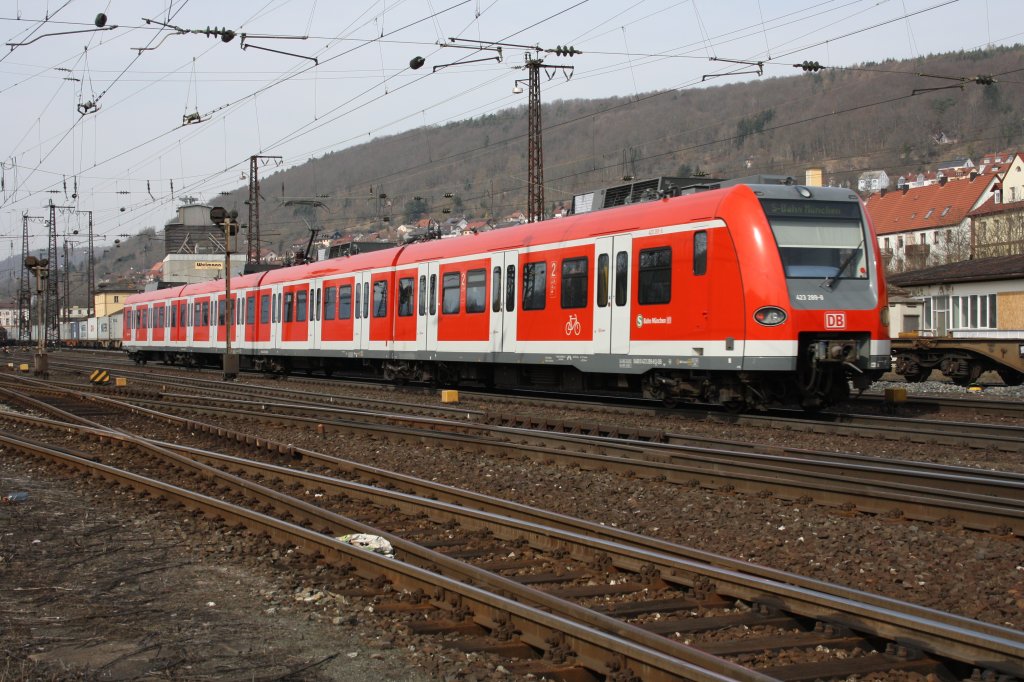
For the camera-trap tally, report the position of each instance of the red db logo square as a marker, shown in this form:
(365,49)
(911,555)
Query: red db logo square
(835,320)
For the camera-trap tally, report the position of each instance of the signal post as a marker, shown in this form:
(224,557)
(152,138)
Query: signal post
(229,221)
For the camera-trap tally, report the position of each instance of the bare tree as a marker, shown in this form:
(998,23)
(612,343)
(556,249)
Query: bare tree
(953,246)
(1001,234)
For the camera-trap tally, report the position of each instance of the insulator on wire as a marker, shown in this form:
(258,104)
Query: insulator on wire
(809,66)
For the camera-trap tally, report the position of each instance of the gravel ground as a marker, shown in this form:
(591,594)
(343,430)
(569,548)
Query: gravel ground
(261,621)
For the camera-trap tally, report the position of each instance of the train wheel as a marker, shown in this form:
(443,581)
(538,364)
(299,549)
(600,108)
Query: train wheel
(973,372)
(1011,377)
(917,377)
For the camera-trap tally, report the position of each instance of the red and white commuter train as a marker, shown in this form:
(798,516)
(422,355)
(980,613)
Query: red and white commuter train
(747,295)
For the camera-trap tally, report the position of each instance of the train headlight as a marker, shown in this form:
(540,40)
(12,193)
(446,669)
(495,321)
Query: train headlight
(770,316)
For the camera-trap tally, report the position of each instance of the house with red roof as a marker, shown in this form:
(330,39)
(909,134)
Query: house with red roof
(998,224)
(921,226)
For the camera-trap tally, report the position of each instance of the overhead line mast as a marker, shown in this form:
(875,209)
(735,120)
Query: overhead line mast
(253,255)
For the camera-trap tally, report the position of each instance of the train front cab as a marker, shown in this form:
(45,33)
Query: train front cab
(825,323)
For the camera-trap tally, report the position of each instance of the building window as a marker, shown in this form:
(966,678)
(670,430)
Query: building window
(886,245)
(899,243)
(117,299)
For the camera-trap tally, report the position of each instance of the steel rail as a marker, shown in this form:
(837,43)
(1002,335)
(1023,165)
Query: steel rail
(977,499)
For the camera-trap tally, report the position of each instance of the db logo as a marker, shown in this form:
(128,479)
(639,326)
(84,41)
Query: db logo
(835,320)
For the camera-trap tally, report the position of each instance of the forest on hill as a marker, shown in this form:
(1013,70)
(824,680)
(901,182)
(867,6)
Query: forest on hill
(874,116)
(886,115)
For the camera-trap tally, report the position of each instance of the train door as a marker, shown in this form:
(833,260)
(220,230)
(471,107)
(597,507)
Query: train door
(507,291)
(432,270)
(604,295)
(360,325)
(621,325)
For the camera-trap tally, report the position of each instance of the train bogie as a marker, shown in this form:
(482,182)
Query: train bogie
(741,296)
(962,360)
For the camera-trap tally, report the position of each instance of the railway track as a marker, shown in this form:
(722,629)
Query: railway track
(967,434)
(648,594)
(974,498)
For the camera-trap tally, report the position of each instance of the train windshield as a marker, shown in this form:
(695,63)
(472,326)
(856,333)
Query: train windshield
(819,239)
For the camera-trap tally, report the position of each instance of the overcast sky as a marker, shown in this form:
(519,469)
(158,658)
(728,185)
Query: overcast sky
(94,111)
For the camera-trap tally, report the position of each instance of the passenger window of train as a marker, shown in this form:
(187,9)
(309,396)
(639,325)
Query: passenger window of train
(329,294)
(405,296)
(250,310)
(535,278)
(433,294)
(655,271)
(476,291)
(380,298)
(496,290)
(300,306)
(451,287)
(220,313)
(288,298)
(621,278)
(700,253)
(510,288)
(206,314)
(197,314)
(574,282)
(317,305)
(359,302)
(366,300)
(275,312)
(174,316)
(264,309)
(345,302)
(602,281)
(423,295)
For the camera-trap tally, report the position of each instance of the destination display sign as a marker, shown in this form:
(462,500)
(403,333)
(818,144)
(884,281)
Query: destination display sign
(793,208)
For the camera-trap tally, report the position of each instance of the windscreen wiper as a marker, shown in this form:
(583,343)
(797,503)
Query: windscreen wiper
(831,280)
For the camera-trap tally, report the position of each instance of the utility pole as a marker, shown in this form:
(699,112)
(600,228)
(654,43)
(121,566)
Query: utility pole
(253,251)
(51,319)
(52,323)
(66,282)
(24,288)
(90,274)
(533,65)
